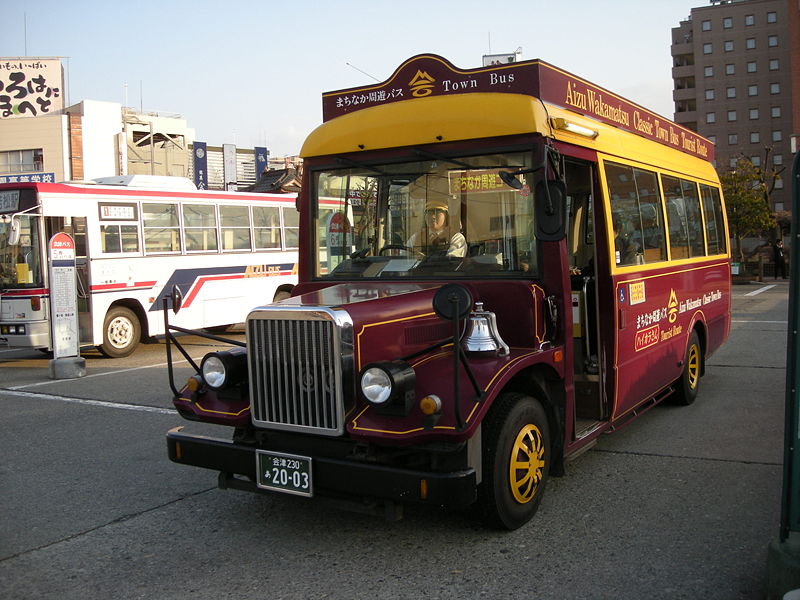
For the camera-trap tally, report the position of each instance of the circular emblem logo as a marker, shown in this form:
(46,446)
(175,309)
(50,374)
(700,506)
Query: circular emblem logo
(199,153)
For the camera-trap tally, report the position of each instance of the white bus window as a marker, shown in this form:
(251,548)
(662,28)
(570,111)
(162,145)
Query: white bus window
(199,227)
(291,228)
(161,230)
(235,221)
(267,226)
(119,238)
(683,217)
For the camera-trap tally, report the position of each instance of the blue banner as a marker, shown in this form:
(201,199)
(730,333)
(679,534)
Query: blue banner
(262,160)
(200,165)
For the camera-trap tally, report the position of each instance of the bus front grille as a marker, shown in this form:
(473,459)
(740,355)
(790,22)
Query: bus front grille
(295,368)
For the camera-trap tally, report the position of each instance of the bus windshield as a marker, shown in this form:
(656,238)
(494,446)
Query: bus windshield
(21,264)
(436,217)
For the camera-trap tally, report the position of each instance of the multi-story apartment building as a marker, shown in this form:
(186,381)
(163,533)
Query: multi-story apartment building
(736,73)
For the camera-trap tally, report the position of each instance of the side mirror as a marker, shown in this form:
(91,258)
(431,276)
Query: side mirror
(14,232)
(550,210)
(177,299)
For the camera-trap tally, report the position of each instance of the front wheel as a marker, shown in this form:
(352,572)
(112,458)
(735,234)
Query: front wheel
(516,461)
(689,382)
(121,332)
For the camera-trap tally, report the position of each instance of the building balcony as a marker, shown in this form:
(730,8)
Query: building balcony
(684,94)
(683,72)
(681,49)
(683,118)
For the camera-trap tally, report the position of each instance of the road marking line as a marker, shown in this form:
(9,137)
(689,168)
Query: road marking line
(164,364)
(102,403)
(759,290)
(751,321)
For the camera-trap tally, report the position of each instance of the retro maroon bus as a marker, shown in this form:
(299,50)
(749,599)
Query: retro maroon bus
(497,265)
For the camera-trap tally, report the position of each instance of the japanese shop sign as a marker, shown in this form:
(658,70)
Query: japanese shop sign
(30,87)
(428,75)
(29,178)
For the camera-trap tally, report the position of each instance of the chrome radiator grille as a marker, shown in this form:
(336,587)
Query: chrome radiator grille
(295,371)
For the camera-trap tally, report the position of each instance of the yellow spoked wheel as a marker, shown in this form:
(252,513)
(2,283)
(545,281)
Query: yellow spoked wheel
(688,384)
(516,460)
(693,366)
(526,467)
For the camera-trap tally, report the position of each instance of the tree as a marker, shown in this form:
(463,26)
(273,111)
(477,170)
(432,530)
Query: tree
(744,191)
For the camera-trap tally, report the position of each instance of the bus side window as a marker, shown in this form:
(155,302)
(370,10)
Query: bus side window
(625,216)
(715,223)
(161,227)
(683,215)
(235,221)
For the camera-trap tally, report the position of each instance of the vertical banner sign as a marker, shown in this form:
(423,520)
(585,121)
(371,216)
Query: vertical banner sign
(63,296)
(200,165)
(229,166)
(262,160)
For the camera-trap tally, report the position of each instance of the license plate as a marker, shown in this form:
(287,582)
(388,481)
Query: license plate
(287,473)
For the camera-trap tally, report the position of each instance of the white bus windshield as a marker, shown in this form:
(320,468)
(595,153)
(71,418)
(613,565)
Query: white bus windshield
(21,264)
(437,217)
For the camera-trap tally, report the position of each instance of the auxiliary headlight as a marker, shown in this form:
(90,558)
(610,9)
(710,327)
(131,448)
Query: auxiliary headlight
(224,369)
(389,386)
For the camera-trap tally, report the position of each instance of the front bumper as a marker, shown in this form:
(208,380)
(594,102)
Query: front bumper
(333,476)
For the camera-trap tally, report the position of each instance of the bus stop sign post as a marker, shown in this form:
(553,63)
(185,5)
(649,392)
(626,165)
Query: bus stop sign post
(66,364)
(783,560)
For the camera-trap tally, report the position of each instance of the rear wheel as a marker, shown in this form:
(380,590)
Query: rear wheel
(121,332)
(516,461)
(689,382)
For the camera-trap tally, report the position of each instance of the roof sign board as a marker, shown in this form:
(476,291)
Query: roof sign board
(30,87)
(428,75)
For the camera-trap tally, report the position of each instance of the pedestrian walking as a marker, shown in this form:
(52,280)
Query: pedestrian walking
(780,263)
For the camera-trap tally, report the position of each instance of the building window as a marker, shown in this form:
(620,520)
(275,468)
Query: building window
(711,117)
(775,112)
(732,162)
(730,69)
(730,92)
(752,90)
(731,115)
(753,114)
(778,206)
(728,45)
(779,184)
(749,20)
(773,64)
(708,71)
(750,44)
(774,88)
(772,41)
(751,67)
(772,17)
(706,26)
(754,137)
(733,139)
(727,22)
(707,48)
(712,139)
(709,94)
(777,136)
(777,159)
(756,160)
(21,161)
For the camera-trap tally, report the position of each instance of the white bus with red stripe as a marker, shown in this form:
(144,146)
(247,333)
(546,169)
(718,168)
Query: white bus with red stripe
(136,237)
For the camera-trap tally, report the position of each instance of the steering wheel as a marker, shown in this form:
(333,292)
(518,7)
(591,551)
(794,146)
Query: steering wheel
(405,249)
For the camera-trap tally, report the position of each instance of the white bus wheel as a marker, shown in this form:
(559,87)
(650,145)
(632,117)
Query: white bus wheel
(121,332)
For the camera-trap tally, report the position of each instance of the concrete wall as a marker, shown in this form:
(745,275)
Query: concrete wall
(46,132)
(102,122)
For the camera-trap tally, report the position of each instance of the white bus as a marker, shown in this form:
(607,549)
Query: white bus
(136,237)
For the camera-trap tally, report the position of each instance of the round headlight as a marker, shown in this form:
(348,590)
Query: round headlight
(376,385)
(214,373)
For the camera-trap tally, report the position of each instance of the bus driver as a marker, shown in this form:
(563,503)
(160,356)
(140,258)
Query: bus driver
(436,236)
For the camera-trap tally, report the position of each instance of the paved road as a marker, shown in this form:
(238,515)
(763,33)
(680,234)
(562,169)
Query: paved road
(680,504)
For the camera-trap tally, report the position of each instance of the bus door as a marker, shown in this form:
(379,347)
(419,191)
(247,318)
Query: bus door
(590,397)
(76,227)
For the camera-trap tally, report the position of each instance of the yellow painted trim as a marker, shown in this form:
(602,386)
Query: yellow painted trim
(215,412)
(364,327)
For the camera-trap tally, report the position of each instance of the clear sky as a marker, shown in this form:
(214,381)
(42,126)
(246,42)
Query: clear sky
(252,73)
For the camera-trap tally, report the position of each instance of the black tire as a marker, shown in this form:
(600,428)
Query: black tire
(122,332)
(688,384)
(516,429)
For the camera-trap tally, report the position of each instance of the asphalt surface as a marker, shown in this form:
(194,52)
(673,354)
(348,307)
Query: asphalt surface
(682,503)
